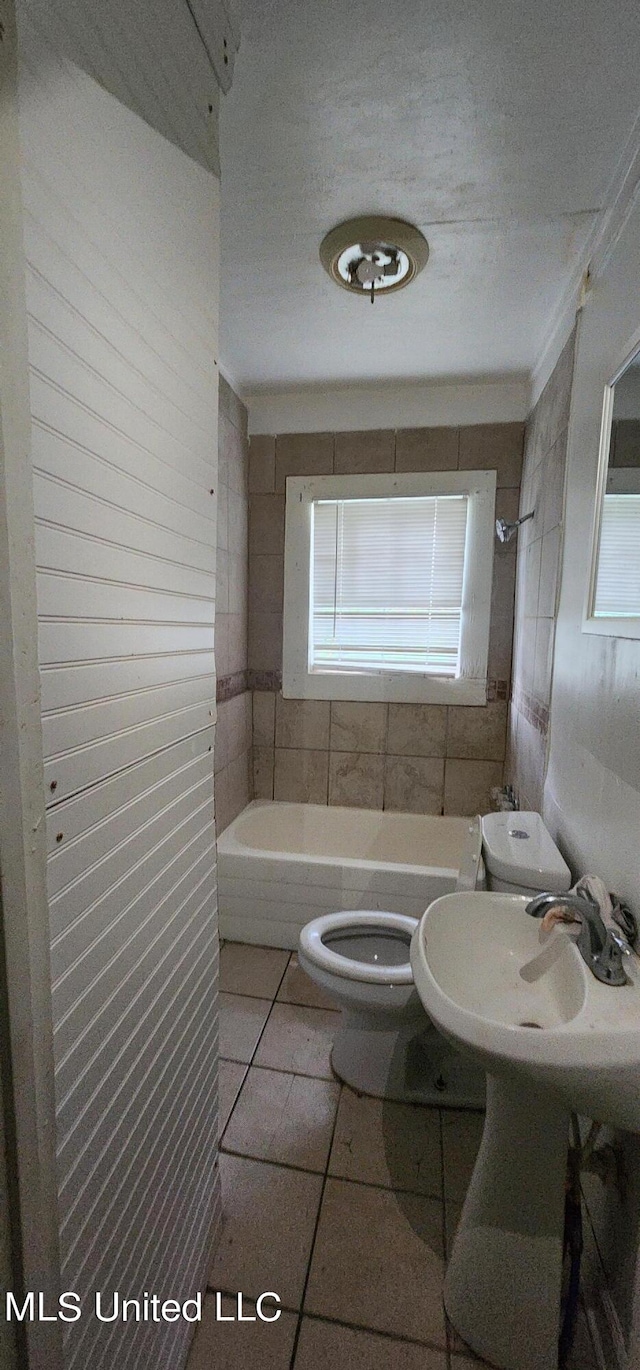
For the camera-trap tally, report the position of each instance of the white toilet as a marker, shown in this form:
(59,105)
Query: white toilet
(387,1045)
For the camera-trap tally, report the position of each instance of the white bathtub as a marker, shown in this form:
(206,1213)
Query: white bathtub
(280,865)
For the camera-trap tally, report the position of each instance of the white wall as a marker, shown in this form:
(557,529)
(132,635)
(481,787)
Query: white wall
(408,404)
(592,791)
(121,241)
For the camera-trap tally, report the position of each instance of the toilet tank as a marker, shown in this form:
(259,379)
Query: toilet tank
(520,855)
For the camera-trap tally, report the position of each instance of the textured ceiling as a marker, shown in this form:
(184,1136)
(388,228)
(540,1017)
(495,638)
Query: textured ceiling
(495,125)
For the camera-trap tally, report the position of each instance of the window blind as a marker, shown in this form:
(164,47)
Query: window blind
(386,584)
(618,584)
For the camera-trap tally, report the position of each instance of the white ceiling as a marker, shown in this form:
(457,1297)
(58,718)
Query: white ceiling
(494,125)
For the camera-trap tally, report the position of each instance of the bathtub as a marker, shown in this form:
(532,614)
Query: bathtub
(280,865)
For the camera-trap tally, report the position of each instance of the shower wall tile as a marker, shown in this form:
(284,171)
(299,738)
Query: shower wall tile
(362,453)
(264,718)
(302,723)
(301,776)
(358,727)
(262,465)
(266,525)
(468,785)
(427,449)
(303,454)
(478,733)
(414,784)
(263,768)
(496,446)
(234,736)
(417,729)
(538,550)
(374,755)
(356,779)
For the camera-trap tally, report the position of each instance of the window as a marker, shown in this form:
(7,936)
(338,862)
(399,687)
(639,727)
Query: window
(388,586)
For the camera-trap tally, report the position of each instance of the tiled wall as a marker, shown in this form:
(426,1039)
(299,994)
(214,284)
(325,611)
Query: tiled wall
(420,758)
(538,561)
(232,758)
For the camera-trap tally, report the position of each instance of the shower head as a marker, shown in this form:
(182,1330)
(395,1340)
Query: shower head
(505,531)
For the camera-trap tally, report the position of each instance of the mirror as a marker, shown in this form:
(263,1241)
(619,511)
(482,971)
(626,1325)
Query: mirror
(615,591)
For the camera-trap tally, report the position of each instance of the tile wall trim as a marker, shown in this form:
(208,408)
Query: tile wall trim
(270,682)
(536,714)
(228,686)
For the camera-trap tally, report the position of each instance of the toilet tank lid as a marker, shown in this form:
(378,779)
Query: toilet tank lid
(518,848)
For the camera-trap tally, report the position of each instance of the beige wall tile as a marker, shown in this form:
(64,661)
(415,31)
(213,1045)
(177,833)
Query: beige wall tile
(238,573)
(549,565)
(266,525)
(468,785)
(358,727)
(493,446)
(222,581)
(426,449)
(301,776)
(221,644)
(302,723)
(266,586)
(553,468)
(262,464)
(265,642)
(303,454)
(231,406)
(232,456)
(356,779)
(237,716)
(543,659)
(238,524)
(500,644)
(417,729)
(477,732)
(264,718)
(414,784)
(222,517)
(364,452)
(263,766)
(240,783)
(237,648)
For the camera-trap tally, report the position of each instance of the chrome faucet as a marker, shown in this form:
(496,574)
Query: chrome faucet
(601,950)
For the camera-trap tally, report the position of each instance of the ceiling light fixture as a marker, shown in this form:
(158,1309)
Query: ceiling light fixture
(374,255)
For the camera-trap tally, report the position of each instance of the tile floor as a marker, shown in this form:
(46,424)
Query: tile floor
(342,1204)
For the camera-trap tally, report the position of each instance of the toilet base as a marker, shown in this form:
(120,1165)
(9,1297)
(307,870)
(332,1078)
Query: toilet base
(411,1065)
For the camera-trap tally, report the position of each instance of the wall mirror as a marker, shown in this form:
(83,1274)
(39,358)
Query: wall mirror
(614,598)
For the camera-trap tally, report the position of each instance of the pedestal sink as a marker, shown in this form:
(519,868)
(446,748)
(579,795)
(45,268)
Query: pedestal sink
(552,1039)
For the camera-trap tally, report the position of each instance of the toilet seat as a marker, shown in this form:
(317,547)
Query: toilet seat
(312,944)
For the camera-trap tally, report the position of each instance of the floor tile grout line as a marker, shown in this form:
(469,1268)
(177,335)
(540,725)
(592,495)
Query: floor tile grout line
(250,1062)
(329,1175)
(339,1322)
(325,1177)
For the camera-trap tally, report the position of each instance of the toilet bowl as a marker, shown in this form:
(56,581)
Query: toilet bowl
(386,1045)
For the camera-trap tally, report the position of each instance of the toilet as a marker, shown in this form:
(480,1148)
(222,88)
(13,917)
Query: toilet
(387,1045)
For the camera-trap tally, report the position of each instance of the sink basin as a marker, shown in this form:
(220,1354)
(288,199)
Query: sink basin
(523,1002)
(552,1039)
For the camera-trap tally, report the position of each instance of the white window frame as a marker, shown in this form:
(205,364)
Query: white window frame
(470,687)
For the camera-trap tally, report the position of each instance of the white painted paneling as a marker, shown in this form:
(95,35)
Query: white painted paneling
(152,57)
(121,244)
